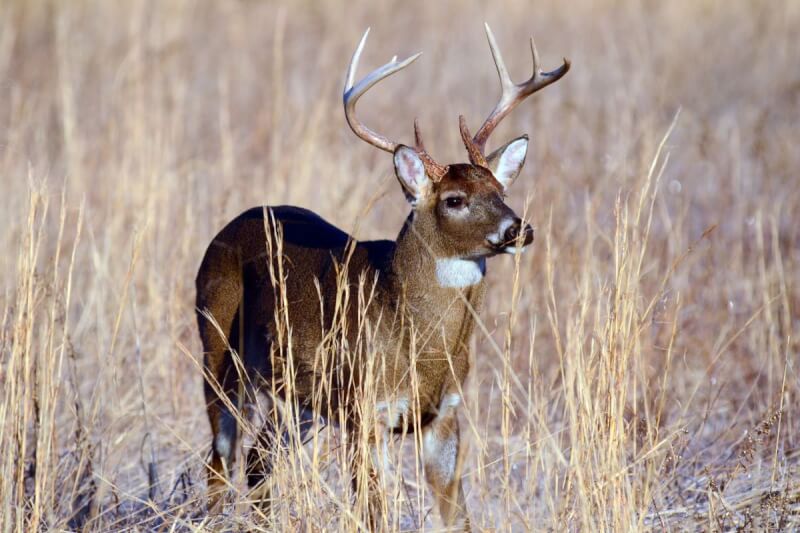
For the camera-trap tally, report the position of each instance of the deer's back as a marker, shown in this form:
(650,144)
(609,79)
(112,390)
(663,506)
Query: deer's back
(235,284)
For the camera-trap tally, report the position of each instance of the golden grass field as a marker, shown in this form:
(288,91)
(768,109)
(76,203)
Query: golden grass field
(637,369)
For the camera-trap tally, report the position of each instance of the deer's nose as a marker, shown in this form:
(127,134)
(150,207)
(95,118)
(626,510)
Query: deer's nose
(513,231)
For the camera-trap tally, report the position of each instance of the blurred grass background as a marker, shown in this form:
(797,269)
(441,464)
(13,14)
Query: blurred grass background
(646,376)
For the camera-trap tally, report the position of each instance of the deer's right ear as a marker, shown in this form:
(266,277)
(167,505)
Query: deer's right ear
(411,173)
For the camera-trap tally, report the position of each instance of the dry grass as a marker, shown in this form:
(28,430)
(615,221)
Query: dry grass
(637,369)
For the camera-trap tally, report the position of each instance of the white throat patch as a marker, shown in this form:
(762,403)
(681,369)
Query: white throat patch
(454,272)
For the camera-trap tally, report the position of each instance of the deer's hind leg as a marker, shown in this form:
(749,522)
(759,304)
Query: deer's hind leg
(220,338)
(278,435)
(281,425)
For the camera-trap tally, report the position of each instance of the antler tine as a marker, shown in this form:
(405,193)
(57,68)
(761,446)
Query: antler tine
(351,68)
(512,93)
(505,80)
(434,169)
(418,142)
(352,92)
(475,155)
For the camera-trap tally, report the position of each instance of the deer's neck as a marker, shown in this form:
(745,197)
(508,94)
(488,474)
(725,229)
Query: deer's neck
(418,274)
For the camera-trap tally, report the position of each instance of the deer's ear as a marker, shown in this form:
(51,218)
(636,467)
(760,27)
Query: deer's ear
(411,173)
(506,162)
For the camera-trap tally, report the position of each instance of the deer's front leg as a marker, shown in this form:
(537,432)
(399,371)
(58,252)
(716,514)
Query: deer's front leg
(440,449)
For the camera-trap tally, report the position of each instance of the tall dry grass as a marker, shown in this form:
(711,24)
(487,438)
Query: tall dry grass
(636,369)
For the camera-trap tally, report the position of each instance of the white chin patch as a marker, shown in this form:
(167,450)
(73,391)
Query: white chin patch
(513,250)
(454,272)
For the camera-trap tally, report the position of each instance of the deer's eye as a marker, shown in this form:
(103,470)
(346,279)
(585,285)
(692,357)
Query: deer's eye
(455,202)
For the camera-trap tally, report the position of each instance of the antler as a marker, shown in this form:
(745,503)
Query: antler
(513,93)
(352,92)
(476,156)
(434,169)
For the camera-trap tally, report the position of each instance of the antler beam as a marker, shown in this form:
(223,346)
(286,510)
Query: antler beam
(513,94)
(352,92)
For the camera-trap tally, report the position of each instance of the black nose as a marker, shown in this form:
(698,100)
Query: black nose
(512,233)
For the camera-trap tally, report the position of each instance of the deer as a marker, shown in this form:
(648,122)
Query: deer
(431,278)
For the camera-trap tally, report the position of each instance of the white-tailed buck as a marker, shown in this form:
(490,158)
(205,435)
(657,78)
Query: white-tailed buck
(272,280)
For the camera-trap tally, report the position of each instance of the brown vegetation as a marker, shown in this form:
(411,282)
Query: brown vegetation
(636,369)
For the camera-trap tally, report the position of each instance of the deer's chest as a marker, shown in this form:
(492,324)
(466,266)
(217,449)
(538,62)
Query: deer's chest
(439,345)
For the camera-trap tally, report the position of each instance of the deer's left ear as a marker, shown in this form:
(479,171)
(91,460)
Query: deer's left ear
(506,162)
